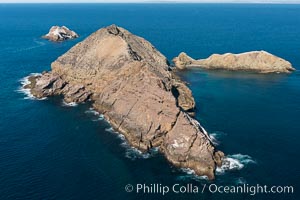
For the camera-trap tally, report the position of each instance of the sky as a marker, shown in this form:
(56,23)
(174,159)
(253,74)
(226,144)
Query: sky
(150,1)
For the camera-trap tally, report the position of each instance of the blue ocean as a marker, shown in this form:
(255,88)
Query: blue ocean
(49,150)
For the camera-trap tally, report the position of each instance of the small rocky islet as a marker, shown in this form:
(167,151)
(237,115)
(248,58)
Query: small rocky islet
(58,34)
(256,61)
(133,85)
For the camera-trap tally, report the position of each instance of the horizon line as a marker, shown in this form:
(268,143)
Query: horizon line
(153,1)
(149,3)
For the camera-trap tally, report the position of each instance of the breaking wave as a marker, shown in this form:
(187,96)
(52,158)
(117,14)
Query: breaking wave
(111,130)
(189,174)
(234,162)
(230,163)
(131,152)
(93,112)
(71,104)
(26,91)
(215,137)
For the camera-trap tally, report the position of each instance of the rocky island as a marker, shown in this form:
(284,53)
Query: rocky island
(131,84)
(257,61)
(57,34)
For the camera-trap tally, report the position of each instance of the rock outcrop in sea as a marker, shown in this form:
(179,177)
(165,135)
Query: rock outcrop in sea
(131,84)
(57,34)
(258,61)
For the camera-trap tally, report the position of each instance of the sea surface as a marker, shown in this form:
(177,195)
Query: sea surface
(50,150)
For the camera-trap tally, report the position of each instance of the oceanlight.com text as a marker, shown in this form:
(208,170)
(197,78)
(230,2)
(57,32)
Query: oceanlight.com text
(177,188)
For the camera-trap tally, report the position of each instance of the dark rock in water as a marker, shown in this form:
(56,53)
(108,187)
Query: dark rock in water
(130,83)
(257,61)
(57,33)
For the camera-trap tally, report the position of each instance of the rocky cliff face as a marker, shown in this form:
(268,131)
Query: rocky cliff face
(258,61)
(57,34)
(130,83)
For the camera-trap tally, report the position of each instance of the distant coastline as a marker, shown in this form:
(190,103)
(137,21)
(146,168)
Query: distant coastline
(280,2)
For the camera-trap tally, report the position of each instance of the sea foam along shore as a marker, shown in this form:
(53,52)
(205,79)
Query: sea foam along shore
(131,152)
(71,104)
(216,136)
(92,111)
(26,91)
(189,174)
(230,163)
(234,162)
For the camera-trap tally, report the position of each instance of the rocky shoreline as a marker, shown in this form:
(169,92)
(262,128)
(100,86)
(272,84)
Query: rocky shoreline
(131,84)
(256,61)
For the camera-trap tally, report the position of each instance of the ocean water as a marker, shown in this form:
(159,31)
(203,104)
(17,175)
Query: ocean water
(49,150)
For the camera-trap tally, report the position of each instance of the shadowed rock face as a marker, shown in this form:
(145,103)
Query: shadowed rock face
(129,81)
(258,61)
(57,34)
